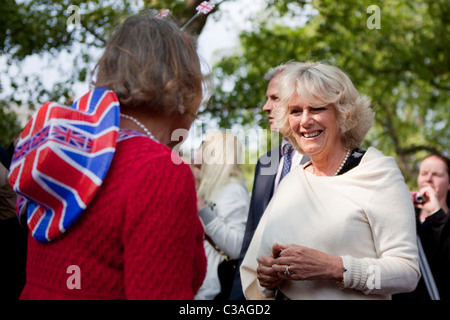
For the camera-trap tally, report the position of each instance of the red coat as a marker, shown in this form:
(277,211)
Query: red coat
(139,238)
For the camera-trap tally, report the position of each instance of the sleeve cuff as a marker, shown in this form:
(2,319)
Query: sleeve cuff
(437,216)
(266,293)
(354,275)
(206,214)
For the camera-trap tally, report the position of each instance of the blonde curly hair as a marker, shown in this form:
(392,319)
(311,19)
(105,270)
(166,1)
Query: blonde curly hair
(320,84)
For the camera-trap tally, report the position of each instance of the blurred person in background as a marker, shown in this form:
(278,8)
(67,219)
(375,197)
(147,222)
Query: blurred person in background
(13,242)
(433,230)
(223,202)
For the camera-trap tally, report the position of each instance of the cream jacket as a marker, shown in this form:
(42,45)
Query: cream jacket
(366,216)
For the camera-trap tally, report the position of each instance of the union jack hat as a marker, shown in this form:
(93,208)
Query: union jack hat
(61,159)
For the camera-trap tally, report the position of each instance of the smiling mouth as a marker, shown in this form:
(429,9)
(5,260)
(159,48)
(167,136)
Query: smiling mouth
(311,134)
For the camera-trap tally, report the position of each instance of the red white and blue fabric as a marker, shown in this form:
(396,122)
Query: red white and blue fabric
(61,159)
(205,7)
(125,134)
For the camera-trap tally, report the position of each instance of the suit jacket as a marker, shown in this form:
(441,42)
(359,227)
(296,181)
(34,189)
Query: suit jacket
(263,188)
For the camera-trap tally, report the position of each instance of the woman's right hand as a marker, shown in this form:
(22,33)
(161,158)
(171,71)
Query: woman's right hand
(267,277)
(431,204)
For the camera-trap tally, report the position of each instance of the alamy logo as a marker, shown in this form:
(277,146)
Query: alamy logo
(374,278)
(374,21)
(74,280)
(74,20)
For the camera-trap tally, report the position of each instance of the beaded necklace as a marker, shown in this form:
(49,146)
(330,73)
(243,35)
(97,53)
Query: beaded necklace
(144,128)
(340,167)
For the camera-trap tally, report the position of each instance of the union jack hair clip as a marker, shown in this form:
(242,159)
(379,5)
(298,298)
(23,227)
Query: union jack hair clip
(203,8)
(163,14)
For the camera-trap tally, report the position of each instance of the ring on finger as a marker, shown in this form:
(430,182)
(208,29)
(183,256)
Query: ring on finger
(287,272)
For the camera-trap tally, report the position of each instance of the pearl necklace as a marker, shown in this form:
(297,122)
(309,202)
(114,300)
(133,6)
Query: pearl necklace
(340,167)
(144,128)
(343,162)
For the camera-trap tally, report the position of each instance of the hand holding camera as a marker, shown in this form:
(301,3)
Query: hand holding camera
(426,199)
(417,197)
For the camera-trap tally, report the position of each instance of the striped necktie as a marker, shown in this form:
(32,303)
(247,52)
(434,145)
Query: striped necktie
(287,154)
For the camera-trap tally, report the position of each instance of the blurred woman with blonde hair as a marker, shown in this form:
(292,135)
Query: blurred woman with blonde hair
(223,202)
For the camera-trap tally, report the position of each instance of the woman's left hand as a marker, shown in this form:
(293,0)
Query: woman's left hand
(301,263)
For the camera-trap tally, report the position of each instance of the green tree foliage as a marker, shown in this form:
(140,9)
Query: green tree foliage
(401,64)
(9,125)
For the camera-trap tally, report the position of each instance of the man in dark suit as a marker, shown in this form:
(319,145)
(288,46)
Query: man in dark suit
(267,175)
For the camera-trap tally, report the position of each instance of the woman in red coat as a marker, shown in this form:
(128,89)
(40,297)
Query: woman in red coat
(111,209)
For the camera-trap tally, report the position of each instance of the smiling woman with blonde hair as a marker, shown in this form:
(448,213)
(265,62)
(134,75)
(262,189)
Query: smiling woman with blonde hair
(341,226)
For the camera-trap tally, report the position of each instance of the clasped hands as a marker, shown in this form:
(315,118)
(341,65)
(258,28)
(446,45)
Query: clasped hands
(304,264)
